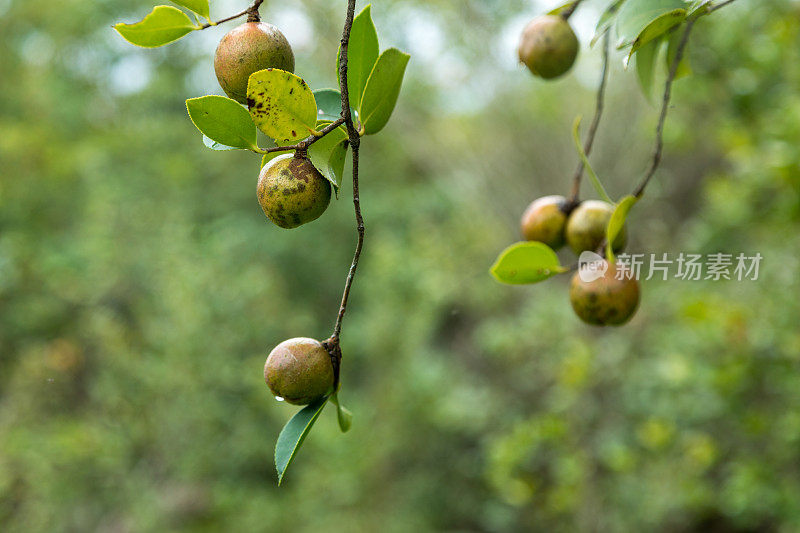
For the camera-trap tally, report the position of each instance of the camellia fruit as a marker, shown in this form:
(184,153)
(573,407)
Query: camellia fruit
(548,46)
(248,48)
(544,221)
(586,227)
(292,191)
(600,298)
(299,371)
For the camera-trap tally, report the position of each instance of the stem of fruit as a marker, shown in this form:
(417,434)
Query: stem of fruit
(659,146)
(567,13)
(598,112)
(251,12)
(355,141)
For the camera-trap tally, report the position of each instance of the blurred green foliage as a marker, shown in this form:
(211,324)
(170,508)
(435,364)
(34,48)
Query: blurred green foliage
(141,288)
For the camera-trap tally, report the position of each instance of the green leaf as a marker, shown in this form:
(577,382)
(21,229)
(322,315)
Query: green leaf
(382,90)
(329,105)
(214,145)
(684,69)
(606,20)
(362,53)
(223,120)
(343,415)
(282,105)
(698,7)
(320,154)
(658,28)
(598,186)
(163,25)
(617,222)
(198,6)
(636,16)
(294,433)
(645,66)
(526,262)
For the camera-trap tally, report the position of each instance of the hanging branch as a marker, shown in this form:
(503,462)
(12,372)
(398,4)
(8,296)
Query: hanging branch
(673,69)
(332,344)
(598,112)
(659,147)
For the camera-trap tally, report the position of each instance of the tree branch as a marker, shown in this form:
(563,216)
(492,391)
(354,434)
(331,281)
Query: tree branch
(355,142)
(657,151)
(598,112)
(308,141)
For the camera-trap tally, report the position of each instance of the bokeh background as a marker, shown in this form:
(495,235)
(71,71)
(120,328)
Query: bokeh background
(141,288)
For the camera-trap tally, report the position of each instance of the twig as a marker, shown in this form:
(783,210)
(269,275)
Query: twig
(598,112)
(719,6)
(308,141)
(567,13)
(251,12)
(355,142)
(657,151)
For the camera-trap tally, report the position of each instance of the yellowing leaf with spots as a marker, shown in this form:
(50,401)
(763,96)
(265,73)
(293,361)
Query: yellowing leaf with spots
(282,105)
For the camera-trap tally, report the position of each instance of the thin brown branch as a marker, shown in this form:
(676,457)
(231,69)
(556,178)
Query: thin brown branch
(308,141)
(251,12)
(659,146)
(714,7)
(598,113)
(355,142)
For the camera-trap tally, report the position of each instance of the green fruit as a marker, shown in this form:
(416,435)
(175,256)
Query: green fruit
(248,48)
(299,371)
(544,221)
(606,301)
(548,46)
(291,191)
(586,227)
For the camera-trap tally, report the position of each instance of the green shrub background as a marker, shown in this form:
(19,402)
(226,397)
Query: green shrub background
(141,288)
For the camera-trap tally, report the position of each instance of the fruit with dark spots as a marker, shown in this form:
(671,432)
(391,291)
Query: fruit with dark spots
(299,371)
(586,227)
(544,221)
(248,48)
(291,191)
(548,46)
(607,300)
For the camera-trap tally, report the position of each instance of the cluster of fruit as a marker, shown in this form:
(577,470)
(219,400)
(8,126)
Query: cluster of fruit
(291,190)
(548,48)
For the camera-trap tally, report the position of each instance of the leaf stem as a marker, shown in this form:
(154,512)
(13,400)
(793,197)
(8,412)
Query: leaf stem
(598,112)
(598,186)
(714,7)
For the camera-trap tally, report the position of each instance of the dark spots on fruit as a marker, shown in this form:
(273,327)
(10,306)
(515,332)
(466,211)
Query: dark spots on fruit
(291,90)
(294,133)
(250,102)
